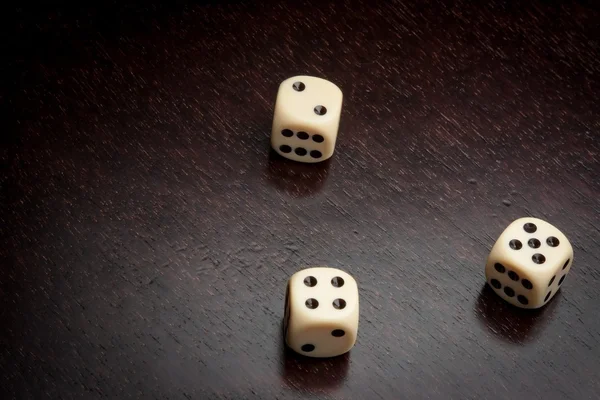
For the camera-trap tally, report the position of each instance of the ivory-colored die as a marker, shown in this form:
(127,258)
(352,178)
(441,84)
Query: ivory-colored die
(306,119)
(321,312)
(529,262)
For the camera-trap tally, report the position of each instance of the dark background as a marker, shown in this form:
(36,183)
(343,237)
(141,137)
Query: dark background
(148,233)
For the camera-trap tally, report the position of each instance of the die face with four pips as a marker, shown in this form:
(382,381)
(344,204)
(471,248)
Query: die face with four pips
(529,262)
(321,312)
(306,119)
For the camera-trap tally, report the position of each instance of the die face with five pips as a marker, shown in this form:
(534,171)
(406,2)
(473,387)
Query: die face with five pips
(529,262)
(321,312)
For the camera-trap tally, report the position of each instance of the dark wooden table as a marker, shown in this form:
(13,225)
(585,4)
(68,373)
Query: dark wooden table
(148,233)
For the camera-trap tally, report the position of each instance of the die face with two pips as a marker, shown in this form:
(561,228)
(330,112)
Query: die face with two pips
(529,262)
(321,312)
(306,119)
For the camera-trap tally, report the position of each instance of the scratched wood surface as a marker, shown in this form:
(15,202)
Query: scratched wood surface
(148,233)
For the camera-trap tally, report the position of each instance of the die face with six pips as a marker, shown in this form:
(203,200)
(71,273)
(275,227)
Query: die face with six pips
(306,119)
(529,262)
(321,312)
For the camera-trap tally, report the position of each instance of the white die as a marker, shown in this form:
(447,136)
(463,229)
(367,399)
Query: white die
(529,262)
(321,312)
(306,119)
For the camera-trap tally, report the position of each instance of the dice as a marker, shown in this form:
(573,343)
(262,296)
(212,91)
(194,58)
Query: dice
(529,262)
(321,312)
(306,119)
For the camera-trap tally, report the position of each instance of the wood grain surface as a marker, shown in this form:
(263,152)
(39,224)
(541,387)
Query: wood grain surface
(148,232)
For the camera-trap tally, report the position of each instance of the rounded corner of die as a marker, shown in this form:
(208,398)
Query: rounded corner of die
(286,80)
(534,307)
(292,276)
(340,92)
(517,221)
